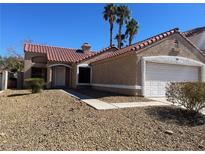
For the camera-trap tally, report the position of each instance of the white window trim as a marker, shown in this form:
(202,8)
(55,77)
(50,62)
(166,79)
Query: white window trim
(169,60)
(77,75)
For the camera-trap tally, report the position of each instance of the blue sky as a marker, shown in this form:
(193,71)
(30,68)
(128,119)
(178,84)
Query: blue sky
(70,25)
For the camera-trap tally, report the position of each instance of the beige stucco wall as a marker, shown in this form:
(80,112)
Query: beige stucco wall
(120,70)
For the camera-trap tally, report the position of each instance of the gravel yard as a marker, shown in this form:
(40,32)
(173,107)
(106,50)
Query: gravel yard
(110,97)
(52,120)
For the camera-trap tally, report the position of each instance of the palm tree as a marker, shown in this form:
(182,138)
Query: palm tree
(123,39)
(110,15)
(132,28)
(123,15)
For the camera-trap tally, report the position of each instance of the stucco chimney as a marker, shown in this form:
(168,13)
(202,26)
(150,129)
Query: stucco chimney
(86,48)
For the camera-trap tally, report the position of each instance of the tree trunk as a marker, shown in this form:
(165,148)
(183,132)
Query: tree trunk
(130,40)
(119,35)
(111,29)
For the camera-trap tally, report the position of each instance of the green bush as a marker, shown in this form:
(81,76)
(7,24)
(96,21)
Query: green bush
(191,95)
(35,84)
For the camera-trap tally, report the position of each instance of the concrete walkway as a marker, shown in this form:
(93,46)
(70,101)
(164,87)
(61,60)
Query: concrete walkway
(100,105)
(95,103)
(140,104)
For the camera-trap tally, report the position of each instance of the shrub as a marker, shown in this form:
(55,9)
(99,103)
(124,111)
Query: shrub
(191,95)
(35,84)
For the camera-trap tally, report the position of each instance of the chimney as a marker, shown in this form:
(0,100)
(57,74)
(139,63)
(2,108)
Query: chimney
(86,48)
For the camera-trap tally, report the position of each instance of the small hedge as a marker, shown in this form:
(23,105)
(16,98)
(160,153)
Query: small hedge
(191,95)
(35,84)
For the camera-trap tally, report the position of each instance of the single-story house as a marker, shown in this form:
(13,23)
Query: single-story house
(143,68)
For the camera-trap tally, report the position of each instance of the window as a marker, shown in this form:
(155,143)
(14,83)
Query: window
(84,75)
(39,73)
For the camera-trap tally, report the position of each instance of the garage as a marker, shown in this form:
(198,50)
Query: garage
(158,75)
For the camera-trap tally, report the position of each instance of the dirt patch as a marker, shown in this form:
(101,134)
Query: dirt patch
(52,120)
(179,116)
(110,97)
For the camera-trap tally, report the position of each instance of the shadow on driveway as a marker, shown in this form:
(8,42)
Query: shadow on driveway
(176,115)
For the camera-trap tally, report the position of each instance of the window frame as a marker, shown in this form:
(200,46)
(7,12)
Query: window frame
(78,71)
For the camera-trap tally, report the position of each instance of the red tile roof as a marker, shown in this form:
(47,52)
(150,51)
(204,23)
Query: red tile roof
(59,54)
(139,45)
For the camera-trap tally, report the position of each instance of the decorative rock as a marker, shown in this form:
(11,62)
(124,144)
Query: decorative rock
(169,132)
(4,141)
(201,146)
(2,134)
(71,109)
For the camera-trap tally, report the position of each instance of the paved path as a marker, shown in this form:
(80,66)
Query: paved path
(100,105)
(95,103)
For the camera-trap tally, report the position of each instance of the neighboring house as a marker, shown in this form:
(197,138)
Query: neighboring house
(197,36)
(143,68)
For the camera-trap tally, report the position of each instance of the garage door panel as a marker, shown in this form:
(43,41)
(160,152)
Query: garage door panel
(159,75)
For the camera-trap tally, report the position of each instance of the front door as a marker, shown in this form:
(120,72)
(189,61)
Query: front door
(60,73)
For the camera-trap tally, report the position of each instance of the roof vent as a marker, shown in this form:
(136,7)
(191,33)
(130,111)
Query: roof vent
(79,51)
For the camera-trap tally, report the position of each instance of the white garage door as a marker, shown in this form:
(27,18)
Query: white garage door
(158,75)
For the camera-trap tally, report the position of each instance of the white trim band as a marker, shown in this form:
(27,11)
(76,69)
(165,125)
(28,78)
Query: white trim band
(173,60)
(116,86)
(52,65)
